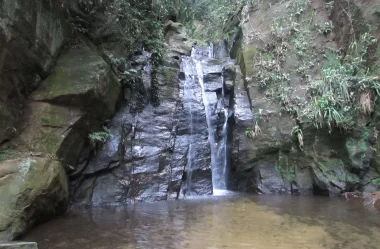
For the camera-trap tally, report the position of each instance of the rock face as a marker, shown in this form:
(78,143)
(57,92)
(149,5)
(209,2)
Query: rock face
(146,157)
(31,36)
(79,94)
(279,59)
(76,98)
(31,189)
(137,162)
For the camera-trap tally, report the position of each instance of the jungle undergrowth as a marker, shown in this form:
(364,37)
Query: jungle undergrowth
(344,89)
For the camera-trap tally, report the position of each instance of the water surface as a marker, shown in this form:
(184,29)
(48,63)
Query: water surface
(255,222)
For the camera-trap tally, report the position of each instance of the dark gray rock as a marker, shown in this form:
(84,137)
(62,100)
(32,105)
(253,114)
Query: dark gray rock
(31,36)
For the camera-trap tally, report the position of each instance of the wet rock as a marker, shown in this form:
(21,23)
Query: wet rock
(19,245)
(303,180)
(271,178)
(220,49)
(151,161)
(31,190)
(145,162)
(229,74)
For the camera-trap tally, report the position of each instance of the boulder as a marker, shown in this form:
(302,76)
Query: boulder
(32,190)
(76,99)
(82,79)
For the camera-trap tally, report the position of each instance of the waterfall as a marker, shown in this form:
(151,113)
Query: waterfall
(189,93)
(211,135)
(211,53)
(215,113)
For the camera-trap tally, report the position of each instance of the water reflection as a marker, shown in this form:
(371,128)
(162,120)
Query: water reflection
(259,222)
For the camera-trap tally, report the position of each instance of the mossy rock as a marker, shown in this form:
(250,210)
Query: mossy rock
(249,52)
(333,176)
(359,151)
(31,189)
(81,78)
(48,126)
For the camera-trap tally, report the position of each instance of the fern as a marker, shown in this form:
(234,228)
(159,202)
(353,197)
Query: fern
(99,138)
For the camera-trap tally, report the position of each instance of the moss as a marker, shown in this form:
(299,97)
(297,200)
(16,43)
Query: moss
(51,143)
(358,147)
(273,131)
(333,169)
(6,154)
(169,75)
(108,93)
(52,119)
(277,168)
(154,92)
(77,72)
(40,185)
(249,53)
(376,181)
(284,169)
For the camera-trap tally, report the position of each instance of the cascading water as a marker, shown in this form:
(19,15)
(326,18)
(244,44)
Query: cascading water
(189,93)
(203,69)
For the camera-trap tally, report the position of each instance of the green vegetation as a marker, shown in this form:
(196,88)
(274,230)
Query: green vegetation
(6,154)
(296,130)
(346,90)
(99,138)
(134,24)
(340,84)
(204,19)
(285,170)
(256,130)
(334,169)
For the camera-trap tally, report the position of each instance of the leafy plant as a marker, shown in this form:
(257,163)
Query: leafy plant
(298,132)
(99,138)
(255,132)
(300,6)
(330,5)
(325,28)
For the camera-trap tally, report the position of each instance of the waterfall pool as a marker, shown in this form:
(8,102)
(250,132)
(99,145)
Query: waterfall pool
(255,222)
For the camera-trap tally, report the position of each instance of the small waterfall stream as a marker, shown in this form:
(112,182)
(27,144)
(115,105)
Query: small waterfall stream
(205,72)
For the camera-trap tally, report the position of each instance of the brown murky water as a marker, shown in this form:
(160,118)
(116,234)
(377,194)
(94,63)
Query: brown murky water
(255,222)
